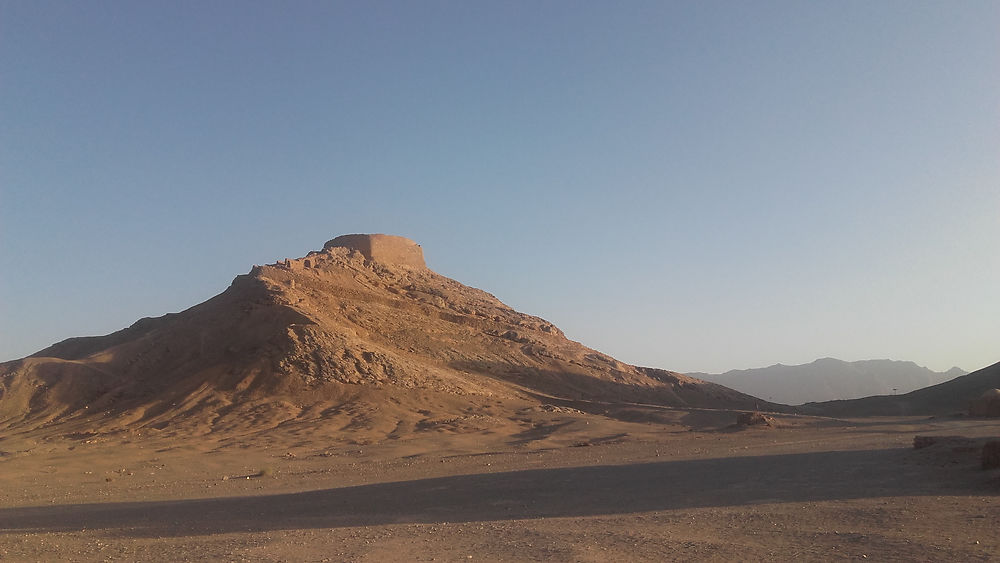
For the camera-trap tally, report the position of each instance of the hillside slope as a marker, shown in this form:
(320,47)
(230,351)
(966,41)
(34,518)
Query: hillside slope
(360,336)
(830,379)
(944,398)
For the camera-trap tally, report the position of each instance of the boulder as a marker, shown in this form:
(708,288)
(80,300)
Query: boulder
(987,404)
(754,419)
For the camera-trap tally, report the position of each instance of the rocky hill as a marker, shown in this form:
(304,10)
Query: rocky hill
(830,379)
(360,336)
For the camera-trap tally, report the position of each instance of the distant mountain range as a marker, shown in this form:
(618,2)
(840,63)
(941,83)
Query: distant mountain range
(829,379)
(948,398)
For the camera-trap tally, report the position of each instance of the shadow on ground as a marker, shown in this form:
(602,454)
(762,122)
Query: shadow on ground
(564,492)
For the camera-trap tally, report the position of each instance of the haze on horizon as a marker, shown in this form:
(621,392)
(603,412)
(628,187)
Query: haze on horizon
(695,187)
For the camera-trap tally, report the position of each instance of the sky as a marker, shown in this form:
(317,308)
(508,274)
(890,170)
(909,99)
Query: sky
(695,186)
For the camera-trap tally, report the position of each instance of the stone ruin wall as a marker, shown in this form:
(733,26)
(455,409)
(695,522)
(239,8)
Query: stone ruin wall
(386,249)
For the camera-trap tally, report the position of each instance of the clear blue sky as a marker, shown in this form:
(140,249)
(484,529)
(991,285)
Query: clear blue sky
(697,186)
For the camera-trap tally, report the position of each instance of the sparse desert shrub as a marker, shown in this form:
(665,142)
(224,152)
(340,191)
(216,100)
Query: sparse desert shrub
(265,472)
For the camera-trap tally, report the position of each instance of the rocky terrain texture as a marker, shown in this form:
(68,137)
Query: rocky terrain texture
(360,336)
(829,379)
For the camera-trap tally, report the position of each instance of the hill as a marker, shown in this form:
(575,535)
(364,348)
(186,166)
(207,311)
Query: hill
(949,397)
(360,337)
(830,379)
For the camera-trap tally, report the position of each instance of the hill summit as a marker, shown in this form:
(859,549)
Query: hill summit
(360,336)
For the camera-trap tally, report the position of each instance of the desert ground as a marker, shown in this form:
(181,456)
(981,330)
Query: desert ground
(353,405)
(556,484)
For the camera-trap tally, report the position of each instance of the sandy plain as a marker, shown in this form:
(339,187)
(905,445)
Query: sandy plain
(559,485)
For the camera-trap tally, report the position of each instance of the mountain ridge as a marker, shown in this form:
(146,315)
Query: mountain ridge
(951,397)
(830,379)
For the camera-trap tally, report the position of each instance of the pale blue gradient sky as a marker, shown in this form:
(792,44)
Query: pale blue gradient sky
(688,185)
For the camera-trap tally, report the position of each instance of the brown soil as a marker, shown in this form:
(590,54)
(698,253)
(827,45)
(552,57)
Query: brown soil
(810,489)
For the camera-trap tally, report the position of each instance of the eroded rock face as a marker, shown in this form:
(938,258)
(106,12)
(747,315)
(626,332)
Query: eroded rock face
(387,249)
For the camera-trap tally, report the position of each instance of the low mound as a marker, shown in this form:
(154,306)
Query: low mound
(360,335)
